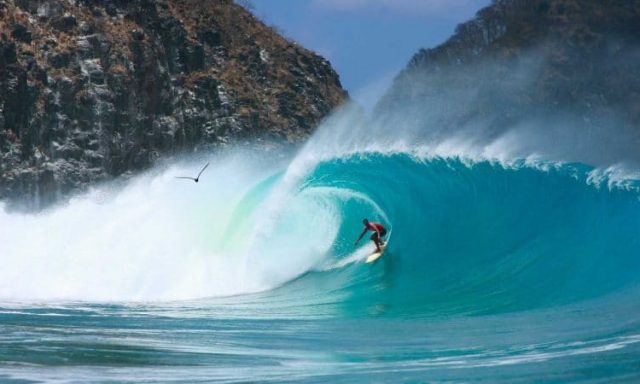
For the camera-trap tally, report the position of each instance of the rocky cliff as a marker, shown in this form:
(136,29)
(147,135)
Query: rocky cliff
(94,89)
(528,59)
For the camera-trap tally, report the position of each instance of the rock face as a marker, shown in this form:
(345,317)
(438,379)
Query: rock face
(522,59)
(93,89)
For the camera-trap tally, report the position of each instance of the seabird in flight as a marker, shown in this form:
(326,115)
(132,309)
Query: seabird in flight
(194,178)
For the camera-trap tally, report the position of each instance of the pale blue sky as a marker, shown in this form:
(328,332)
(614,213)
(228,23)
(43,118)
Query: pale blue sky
(367,41)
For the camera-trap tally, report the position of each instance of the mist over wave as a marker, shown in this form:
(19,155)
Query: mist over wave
(505,250)
(523,188)
(255,223)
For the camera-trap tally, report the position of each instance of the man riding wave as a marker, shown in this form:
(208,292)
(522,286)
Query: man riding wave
(378,233)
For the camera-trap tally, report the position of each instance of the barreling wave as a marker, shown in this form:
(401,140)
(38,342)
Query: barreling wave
(477,237)
(467,237)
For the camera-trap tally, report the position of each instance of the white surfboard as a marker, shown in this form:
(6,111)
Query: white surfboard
(376,255)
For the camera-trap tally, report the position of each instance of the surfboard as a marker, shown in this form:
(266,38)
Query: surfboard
(376,255)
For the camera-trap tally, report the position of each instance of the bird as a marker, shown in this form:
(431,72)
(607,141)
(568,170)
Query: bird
(194,178)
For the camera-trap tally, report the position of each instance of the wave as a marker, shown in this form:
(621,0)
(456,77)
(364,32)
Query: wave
(469,237)
(479,237)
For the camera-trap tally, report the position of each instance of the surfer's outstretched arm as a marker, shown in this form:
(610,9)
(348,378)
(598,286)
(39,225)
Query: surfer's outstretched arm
(362,234)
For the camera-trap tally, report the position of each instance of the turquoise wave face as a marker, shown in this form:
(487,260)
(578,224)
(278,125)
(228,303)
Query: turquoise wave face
(467,238)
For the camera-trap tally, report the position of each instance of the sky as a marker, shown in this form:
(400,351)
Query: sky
(367,41)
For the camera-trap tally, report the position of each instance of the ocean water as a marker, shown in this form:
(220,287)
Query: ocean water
(524,270)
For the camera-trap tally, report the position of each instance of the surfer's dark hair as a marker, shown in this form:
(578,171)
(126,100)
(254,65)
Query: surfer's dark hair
(365,220)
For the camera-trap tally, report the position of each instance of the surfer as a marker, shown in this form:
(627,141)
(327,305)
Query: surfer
(378,233)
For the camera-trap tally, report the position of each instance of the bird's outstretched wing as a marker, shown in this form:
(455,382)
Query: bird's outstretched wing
(203,168)
(184,177)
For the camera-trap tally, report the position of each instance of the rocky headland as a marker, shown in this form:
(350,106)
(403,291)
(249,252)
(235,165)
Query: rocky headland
(518,60)
(91,90)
